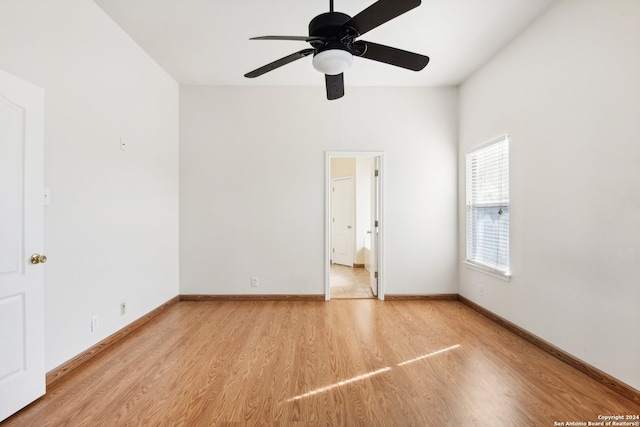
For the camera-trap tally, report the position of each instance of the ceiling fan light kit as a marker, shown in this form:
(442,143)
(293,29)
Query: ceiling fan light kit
(332,61)
(332,36)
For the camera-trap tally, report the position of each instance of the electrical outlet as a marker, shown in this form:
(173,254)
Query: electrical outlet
(95,322)
(255,282)
(480,289)
(123,308)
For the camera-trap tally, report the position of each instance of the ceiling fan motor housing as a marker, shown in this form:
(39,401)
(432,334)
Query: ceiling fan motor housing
(330,26)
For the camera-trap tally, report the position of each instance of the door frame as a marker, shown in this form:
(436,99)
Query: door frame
(327,216)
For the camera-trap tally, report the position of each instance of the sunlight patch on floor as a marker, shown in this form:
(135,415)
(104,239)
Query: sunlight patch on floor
(444,350)
(371,374)
(339,384)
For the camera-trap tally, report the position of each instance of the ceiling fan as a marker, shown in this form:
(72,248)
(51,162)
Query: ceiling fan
(333,35)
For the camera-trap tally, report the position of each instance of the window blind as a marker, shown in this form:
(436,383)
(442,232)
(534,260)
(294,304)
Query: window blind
(487,194)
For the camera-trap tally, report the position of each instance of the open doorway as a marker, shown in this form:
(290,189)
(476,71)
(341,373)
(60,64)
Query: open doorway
(353,226)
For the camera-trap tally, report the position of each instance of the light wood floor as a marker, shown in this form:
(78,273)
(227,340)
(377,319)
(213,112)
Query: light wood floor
(342,362)
(348,282)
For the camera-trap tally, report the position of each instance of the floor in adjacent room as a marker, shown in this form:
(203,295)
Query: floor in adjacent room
(349,282)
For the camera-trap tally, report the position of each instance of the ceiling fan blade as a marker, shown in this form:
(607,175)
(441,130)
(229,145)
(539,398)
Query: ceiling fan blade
(294,38)
(379,13)
(393,56)
(335,86)
(279,63)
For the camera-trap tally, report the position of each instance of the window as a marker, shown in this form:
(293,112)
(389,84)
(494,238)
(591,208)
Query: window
(488,206)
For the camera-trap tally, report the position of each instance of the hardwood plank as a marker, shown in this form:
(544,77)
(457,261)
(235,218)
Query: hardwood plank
(567,358)
(344,362)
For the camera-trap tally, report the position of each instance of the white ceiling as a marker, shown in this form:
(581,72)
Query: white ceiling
(206,42)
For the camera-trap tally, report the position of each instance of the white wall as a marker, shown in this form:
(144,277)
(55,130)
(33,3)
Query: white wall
(343,166)
(252,185)
(568,93)
(111,232)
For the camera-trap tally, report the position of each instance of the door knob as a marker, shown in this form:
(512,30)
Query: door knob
(348,226)
(38,259)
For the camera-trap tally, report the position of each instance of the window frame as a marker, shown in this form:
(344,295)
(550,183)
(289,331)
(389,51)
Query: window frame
(502,168)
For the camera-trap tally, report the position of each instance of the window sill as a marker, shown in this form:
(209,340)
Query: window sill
(489,271)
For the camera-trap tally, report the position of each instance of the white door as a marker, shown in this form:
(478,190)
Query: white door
(342,221)
(22,368)
(374,227)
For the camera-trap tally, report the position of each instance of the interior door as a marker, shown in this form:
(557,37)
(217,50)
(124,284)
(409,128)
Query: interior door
(342,221)
(374,227)
(22,367)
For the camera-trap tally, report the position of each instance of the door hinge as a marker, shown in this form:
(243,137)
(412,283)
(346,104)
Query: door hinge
(333,250)
(377,172)
(375,275)
(376,223)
